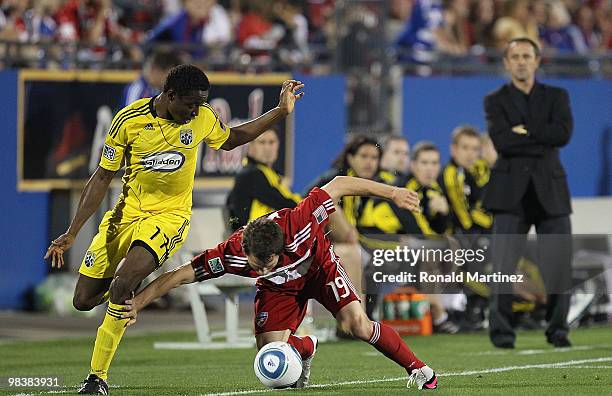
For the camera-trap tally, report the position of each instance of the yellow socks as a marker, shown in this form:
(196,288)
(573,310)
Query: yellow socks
(109,335)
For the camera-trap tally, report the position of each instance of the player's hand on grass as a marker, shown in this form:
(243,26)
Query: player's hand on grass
(57,248)
(130,309)
(406,199)
(289,94)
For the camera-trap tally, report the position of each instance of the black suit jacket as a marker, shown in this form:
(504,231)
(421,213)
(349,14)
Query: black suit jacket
(534,157)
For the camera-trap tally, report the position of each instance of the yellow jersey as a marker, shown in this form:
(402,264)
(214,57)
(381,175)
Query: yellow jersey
(160,157)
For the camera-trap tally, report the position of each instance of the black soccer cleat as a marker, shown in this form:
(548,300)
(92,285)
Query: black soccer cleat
(559,341)
(94,385)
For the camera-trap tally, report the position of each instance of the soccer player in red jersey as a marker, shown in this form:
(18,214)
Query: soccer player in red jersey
(293,261)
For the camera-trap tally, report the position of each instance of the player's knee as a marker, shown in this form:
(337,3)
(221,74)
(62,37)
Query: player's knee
(81,303)
(121,288)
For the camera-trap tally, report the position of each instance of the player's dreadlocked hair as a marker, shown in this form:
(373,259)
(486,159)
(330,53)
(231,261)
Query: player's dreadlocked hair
(262,238)
(184,79)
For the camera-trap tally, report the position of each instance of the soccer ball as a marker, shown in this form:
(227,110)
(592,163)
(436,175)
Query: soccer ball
(278,365)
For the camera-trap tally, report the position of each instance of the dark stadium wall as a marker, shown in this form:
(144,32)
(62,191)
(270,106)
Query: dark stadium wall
(432,107)
(24,215)
(320,125)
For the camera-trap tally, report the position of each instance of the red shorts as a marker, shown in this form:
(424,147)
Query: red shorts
(277,310)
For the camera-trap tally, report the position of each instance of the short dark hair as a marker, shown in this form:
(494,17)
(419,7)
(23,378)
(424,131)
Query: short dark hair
(262,238)
(536,47)
(464,130)
(351,148)
(184,79)
(386,140)
(421,147)
(164,59)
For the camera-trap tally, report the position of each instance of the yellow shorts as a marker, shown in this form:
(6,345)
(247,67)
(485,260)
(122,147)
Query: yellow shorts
(161,234)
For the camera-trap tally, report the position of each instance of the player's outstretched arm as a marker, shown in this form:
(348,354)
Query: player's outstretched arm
(159,287)
(341,186)
(92,195)
(244,133)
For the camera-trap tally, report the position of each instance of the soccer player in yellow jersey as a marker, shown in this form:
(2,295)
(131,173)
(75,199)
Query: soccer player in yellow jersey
(157,139)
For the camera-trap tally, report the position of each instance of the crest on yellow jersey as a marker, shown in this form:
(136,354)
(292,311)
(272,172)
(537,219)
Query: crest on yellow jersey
(186,136)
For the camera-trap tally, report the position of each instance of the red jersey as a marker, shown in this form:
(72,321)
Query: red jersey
(306,247)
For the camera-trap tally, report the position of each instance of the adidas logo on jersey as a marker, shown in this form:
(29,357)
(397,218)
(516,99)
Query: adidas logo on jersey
(149,127)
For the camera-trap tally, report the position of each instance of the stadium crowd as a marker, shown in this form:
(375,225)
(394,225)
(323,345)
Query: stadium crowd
(57,33)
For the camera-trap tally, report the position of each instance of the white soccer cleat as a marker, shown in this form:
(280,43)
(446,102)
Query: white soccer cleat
(424,378)
(306,364)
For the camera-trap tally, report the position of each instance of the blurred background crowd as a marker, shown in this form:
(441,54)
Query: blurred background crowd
(309,35)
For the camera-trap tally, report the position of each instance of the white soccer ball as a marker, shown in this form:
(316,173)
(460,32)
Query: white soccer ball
(278,365)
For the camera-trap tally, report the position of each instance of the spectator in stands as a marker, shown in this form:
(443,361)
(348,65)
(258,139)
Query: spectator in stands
(40,20)
(42,28)
(399,14)
(140,15)
(30,25)
(605,25)
(69,29)
(539,10)
(462,181)
(395,159)
(200,22)
(434,28)
(482,21)
(255,28)
(258,188)
(93,23)
(151,80)
(586,37)
(557,34)
(517,21)
(603,16)
(456,27)
(12,23)
(293,44)
(421,36)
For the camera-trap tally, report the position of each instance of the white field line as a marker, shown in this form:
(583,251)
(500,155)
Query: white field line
(592,367)
(542,351)
(558,365)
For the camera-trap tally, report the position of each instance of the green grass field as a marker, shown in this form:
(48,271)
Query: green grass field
(467,365)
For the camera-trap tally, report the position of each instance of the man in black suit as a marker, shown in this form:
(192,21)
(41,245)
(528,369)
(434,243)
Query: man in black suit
(528,123)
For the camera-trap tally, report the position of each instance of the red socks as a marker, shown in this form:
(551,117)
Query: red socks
(304,345)
(389,343)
